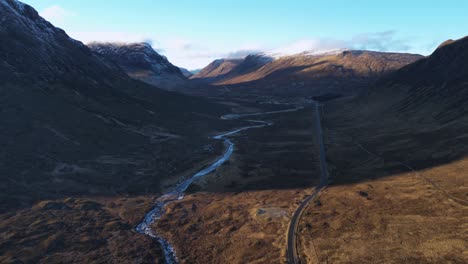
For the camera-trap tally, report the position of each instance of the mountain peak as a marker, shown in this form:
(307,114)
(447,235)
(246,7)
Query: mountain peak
(141,62)
(102,47)
(447,42)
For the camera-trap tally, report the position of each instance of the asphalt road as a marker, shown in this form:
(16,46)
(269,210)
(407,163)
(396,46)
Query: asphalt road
(292,257)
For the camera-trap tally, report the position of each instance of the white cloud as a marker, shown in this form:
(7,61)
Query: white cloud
(109,36)
(380,41)
(244,50)
(56,14)
(309,45)
(193,54)
(180,51)
(187,53)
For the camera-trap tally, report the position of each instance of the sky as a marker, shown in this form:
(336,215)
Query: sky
(194,33)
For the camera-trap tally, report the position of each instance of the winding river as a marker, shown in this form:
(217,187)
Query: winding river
(178,192)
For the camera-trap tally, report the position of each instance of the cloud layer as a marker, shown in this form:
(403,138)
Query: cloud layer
(193,54)
(302,45)
(380,41)
(239,54)
(197,51)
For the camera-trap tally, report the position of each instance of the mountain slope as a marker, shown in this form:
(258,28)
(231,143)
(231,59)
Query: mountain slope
(341,64)
(68,112)
(142,62)
(437,83)
(308,73)
(186,72)
(85,148)
(416,114)
(217,69)
(398,155)
(35,51)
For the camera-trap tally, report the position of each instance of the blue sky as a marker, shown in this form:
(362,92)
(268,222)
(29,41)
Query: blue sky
(193,33)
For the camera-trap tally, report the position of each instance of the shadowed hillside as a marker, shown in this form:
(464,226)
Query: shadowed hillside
(84,148)
(416,115)
(397,156)
(73,120)
(142,62)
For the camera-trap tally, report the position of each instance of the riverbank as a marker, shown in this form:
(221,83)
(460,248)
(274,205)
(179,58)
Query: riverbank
(240,213)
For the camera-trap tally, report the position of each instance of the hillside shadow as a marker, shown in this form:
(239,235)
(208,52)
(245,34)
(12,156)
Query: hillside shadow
(285,155)
(358,150)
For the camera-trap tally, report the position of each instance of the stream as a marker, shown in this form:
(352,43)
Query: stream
(178,192)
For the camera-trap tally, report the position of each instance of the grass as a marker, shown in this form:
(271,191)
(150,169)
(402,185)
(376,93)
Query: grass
(411,166)
(77,230)
(240,213)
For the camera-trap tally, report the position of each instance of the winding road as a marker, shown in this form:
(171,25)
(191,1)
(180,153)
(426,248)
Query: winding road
(145,227)
(291,254)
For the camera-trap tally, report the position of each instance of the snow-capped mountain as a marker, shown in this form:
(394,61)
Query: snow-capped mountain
(308,72)
(142,62)
(33,50)
(281,53)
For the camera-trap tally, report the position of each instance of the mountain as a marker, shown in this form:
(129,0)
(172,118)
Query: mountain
(140,61)
(35,52)
(438,82)
(401,144)
(186,72)
(196,71)
(311,73)
(249,64)
(416,114)
(420,103)
(65,107)
(84,148)
(217,69)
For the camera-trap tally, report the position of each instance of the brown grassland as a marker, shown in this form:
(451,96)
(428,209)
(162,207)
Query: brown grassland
(240,213)
(398,192)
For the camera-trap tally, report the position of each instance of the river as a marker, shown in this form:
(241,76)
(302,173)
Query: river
(178,192)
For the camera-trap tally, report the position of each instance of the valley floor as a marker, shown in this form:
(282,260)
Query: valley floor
(241,213)
(377,209)
(397,192)
(100,228)
(396,219)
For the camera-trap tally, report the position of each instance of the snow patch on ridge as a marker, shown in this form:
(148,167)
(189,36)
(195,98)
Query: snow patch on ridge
(280,53)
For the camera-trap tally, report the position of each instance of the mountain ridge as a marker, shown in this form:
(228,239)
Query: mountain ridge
(140,61)
(309,73)
(63,104)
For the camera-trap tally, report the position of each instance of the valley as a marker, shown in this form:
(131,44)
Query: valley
(248,201)
(320,151)
(145,227)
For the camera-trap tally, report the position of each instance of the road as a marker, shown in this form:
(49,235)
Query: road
(291,254)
